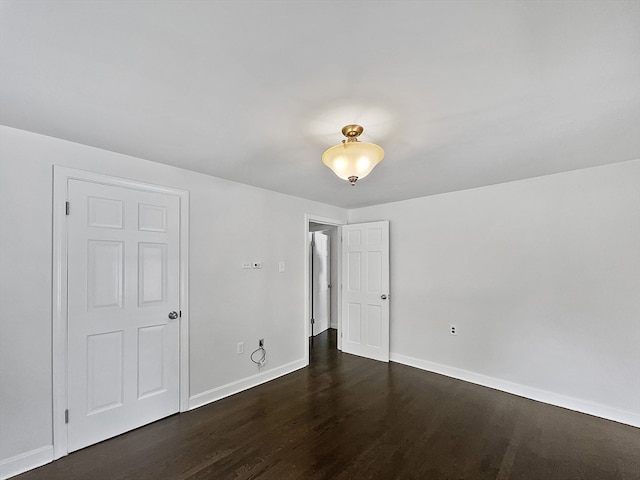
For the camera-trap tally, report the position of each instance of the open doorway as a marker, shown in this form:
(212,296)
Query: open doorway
(322,284)
(320,260)
(361,303)
(322,281)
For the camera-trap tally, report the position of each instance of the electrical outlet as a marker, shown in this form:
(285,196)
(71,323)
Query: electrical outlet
(453,330)
(261,342)
(240,347)
(281,267)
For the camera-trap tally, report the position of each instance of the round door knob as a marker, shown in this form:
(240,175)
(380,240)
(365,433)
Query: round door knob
(383,296)
(173,315)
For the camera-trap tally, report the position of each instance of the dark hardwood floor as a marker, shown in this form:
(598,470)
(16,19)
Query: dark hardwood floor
(346,417)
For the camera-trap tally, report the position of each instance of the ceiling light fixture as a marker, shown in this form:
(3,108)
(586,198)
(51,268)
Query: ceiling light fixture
(352,159)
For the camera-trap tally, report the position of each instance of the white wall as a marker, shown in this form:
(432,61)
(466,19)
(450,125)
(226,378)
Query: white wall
(541,277)
(230,224)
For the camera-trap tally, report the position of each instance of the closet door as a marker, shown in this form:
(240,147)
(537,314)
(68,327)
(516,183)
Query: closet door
(123,309)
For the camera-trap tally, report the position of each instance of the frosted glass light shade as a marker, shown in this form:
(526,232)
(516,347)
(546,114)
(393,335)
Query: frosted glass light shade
(353,160)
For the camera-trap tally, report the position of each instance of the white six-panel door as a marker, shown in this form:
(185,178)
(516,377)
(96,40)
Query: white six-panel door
(365,290)
(123,282)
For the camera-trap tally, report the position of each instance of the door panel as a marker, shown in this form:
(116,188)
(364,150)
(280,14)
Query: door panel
(152,273)
(374,272)
(123,280)
(366,282)
(151,373)
(105,212)
(374,326)
(353,278)
(152,218)
(354,325)
(106,274)
(104,371)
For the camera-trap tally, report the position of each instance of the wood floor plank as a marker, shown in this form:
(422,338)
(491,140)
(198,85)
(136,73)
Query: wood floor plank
(346,417)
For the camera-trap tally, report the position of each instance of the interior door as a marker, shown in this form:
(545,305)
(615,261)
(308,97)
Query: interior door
(123,310)
(365,290)
(321,281)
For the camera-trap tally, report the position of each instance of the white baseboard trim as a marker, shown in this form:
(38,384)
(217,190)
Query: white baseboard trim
(544,396)
(238,386)
(25,461)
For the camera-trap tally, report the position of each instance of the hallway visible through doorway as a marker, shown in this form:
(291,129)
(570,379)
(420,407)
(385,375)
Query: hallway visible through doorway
(323,347)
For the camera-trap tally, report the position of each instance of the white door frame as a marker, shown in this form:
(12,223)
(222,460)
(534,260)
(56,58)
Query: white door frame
(61,177)
(307,285)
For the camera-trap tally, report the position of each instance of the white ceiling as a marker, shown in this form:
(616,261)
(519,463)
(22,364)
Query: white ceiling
(459,93)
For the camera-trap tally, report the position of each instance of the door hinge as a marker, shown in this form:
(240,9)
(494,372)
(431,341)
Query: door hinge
(313,321)
(180,313)
(66,208)
(313,243)
(66,416)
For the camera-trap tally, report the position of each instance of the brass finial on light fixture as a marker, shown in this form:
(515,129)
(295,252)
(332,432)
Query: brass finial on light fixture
(352,159)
